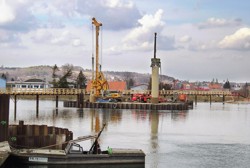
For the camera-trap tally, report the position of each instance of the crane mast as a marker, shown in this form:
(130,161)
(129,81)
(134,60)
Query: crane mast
(99,83)
(97,25)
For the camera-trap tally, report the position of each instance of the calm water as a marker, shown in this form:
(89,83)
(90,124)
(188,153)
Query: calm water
(207,136)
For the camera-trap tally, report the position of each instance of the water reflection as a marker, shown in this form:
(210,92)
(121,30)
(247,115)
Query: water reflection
(179,115)
(169,138)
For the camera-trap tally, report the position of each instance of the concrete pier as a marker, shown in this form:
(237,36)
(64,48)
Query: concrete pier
(155,65)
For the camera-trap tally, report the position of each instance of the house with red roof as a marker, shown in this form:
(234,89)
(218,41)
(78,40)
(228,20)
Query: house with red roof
(113,86)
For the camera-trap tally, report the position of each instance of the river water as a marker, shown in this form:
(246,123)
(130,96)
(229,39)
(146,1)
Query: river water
(214,135)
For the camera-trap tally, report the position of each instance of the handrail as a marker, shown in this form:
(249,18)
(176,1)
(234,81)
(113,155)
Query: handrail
(40,91)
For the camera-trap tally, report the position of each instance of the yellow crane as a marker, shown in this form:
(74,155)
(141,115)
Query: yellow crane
(99,83)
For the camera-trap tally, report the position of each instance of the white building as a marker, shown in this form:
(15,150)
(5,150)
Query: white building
(30,83)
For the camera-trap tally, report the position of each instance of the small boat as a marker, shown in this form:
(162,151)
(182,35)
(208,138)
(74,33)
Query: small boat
(74,154)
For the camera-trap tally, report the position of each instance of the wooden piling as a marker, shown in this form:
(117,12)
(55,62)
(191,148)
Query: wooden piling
(15,106)
(80,99)
(37,105)
(195,99)
(4,117)
(56,101)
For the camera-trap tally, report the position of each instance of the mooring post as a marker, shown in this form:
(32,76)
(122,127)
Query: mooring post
(15,105)
(4,117)
(195,99)
(223,98)
(80,100)
(56,101)
(37,104)
(210,96)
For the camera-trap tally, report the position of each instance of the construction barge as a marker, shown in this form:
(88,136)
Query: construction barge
(129,105)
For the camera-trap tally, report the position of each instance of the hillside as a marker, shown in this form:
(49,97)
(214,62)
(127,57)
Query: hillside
(45,72)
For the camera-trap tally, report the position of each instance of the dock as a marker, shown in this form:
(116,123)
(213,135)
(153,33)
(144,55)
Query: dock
(4,152)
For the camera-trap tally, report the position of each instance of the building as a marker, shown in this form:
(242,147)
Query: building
(2,83)
(30,83)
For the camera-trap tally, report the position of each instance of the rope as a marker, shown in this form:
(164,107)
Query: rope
(161,78)
(101,47)
(92,39)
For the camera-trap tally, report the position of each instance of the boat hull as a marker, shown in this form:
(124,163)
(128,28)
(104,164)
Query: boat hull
(117,157)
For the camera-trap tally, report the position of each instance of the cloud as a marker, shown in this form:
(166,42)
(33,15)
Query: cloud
(16,15)
(142,36)
(7,14)
(240,40)
(9,39)
(41,36)
(114,14)
(25,15)
(185,39)
(219,22)
(54,36)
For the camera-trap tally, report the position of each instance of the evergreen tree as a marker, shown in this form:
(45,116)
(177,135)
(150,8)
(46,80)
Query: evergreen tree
(81,80)
(245,90)
(63,83)
(54,75)
(4,76)
(227,85)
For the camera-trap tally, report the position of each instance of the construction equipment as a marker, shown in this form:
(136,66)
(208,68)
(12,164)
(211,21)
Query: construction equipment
(99,83)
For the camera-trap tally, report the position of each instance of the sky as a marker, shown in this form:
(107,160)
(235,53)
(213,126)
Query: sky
(197,40)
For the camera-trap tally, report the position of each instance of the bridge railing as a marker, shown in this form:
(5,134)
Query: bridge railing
(188,92)
(71,91)
(46,91)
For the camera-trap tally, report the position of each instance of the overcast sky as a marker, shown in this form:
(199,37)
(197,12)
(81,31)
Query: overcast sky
(196,39)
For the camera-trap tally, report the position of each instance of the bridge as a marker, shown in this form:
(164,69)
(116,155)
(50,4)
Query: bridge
(70,91)
(38,91)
